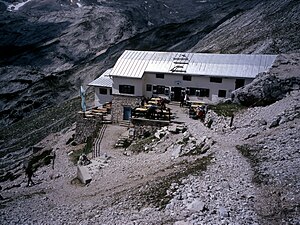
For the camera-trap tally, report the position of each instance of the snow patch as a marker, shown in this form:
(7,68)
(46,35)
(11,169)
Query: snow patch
(150,23)
(17,6)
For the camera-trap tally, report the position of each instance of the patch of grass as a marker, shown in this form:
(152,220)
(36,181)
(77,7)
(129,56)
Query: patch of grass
(40,159)
(127,143)
(39,193)
(76,182)
(247,152)
(156,194)
(184,141)
(9,176)
(226,109)
(252,154)
(139,145)
(88,147)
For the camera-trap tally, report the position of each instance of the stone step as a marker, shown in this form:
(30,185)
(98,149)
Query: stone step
(174,103)
(125,123)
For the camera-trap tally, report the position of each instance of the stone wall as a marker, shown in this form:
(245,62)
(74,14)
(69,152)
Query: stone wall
(118,104)
(148,122)
(85,128)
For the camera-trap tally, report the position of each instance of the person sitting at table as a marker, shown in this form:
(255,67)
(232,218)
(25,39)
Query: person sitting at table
(200,113)
(142,101)
(151,112)
(161,113)
(163,103)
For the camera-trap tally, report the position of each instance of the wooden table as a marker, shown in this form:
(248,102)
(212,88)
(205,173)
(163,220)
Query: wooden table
(139,112)
(153,102)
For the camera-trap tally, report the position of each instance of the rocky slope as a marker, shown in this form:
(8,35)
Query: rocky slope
(267,88)
(249,175)
(270,27)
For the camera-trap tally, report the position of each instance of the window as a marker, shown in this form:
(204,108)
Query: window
(204,92)
(103,91)
(126,89)
(110,91)
(160,89)
(160,75)
(187,77)
(222,93)
(148,87)
(193,91)
(154,89)
(167,91)
(239,83)
(216,80)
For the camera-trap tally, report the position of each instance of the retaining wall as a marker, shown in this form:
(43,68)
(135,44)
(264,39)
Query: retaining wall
(118,104)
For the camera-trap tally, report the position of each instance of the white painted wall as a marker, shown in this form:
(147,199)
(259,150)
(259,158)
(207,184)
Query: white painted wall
(176,80)
(137,83)
(100,99)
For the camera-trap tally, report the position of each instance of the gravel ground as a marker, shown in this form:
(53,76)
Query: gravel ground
(217,187)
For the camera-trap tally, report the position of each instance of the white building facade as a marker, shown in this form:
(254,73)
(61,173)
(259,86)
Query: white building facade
(208,77)
(103,89)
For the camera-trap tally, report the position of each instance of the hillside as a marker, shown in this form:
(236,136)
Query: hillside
(244,174)
(269,27)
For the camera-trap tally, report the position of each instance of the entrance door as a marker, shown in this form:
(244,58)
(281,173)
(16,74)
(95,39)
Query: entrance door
(177,93)
(126,112)
(239,83)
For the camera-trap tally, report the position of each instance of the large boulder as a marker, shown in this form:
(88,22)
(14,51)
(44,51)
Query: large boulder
(83,174)
(267,88)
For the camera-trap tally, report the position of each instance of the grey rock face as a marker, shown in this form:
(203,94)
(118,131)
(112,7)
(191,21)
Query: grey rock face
(270,27)
(197,205)
(275,122)
(223,212)
(271,87)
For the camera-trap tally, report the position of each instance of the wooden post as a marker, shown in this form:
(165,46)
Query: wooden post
(231,120)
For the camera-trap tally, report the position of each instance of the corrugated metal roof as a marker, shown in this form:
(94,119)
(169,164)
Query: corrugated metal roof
(132,64)
(135,63)
(103,81)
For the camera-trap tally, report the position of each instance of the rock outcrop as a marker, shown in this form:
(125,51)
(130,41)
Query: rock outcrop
(270,27)
(282,79)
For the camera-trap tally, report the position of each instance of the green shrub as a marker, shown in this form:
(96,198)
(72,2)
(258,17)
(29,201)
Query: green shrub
(226,109)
